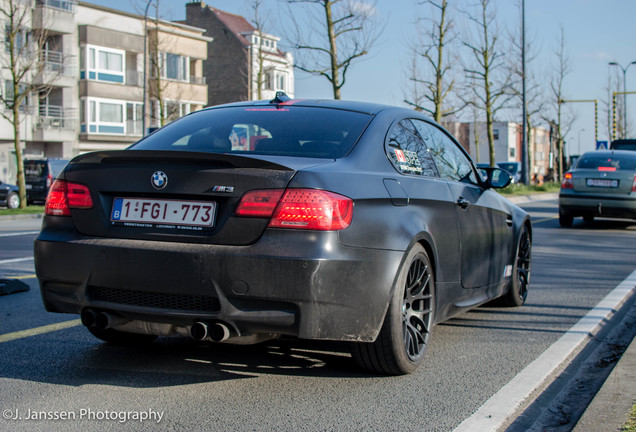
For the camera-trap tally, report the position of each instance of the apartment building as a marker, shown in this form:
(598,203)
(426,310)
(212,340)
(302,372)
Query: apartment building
(90,79)
(111,75)
(243,63)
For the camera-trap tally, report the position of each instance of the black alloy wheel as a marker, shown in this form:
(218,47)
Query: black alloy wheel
(520,282)
(400,346)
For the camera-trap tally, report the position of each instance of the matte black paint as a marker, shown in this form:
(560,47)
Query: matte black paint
(317,285)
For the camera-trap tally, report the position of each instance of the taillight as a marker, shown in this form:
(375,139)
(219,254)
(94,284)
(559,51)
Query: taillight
(49,180)
(567,181)
(298,208)
(64,196)
(313,209)
(634,184)
(259,203)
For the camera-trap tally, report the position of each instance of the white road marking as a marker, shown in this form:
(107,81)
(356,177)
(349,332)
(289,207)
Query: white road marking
(15,260)
(19,233)
(494,413)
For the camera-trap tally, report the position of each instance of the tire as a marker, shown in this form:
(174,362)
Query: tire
(565,219)
(518,291)
(117,337)
(13,200)
(400,346)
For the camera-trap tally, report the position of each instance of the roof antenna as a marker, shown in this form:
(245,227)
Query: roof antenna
(281,97)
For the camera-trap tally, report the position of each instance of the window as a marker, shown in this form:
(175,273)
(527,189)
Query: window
(280,82)
(9,96)
(20,42)
(408,152)
(174,66)
(104,64)
(451,162)
(495,133)
(326,133)
(133,118)
(267,81)
(114,117)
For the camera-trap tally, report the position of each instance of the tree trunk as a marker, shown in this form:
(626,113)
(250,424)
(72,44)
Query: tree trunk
(333,50)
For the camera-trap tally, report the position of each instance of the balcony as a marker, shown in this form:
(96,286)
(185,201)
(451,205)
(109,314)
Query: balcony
(56,62)
(55,15)
(62,5)
(199,80)
(134,78)
(55,123)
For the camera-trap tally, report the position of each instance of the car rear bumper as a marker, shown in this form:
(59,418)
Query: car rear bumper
(598,205)
(300,283)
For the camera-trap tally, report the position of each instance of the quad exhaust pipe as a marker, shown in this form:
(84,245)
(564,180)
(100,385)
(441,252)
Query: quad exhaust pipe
(216,331)
(101,320)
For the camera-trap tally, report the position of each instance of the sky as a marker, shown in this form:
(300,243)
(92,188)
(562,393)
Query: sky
(596,32)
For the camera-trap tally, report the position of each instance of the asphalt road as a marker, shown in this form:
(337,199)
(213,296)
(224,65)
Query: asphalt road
(294,385)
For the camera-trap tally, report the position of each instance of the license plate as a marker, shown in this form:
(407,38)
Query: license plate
(602,183)
(163,213)
(28,186)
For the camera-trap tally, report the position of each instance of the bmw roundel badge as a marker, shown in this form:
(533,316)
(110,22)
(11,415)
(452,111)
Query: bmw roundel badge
(159,180)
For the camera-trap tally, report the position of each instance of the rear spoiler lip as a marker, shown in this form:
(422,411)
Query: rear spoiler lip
(232,160)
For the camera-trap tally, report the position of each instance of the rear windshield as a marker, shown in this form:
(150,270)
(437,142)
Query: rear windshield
(284,131)
(611,163)
(34,170)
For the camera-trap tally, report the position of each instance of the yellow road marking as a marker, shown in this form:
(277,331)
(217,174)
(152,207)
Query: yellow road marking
(545,219)
(39,330)
(20,277)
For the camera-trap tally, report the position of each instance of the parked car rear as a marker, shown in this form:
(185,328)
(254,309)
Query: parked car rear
(39,175)
(603,184)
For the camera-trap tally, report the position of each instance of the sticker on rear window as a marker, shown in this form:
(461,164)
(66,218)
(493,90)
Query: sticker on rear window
(408,161)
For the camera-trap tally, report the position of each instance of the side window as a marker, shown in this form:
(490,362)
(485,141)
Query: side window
(407,152)
(450,160)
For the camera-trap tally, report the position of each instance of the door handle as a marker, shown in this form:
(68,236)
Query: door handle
(463,202)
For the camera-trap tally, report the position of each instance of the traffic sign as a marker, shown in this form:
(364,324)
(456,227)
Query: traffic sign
(601,145)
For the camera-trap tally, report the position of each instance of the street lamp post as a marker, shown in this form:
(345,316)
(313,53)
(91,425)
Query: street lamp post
(624,69)
(579,143)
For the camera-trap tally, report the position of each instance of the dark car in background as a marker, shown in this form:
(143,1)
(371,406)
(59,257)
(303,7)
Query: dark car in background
(514,168)
(312,219)
(9,196)
(39,174)
(603,184)
(623,144)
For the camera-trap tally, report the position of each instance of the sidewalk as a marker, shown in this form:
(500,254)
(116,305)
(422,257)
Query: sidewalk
(609,410)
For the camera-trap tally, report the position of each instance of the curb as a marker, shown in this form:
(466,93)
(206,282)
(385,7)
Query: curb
(609,410)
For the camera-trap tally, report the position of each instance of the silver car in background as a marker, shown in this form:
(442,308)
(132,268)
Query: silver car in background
(603,184)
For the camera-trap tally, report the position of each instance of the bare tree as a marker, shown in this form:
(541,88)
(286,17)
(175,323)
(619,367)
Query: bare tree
(564,120)
(429,58)
(491,79)
(331,35)
(167,70)
(25,63)
(259,20)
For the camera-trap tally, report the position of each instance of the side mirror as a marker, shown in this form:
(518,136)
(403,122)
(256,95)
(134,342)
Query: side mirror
(495,178)
(498,178)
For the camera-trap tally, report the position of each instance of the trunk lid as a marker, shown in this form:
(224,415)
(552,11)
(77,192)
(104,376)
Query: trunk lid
(214,182)
(596,181)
